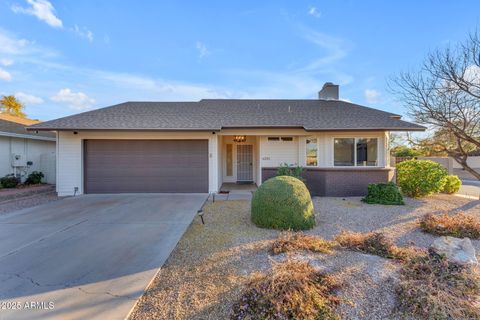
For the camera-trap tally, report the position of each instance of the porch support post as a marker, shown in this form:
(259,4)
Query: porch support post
(213,163)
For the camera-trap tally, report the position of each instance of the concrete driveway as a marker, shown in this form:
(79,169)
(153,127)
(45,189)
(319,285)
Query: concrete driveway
(470,188)
(88,257)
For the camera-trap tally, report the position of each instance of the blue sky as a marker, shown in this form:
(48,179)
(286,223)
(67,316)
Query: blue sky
(64,57)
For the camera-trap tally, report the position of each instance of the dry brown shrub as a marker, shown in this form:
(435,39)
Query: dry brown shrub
(458,225)
(376,243)
(291,290)
(297,241)
(431,287)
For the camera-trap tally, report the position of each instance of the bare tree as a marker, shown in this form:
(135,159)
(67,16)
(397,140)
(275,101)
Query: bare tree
(445,95)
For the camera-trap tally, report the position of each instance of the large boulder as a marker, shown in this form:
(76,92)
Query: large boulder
(459,251)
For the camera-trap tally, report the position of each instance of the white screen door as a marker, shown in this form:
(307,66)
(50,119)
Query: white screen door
(244,163)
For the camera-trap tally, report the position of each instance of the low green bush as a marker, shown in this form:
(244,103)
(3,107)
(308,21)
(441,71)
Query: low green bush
(418,178)
(383,193)
(452,184)
(292,171)
(34,178)
(9,181)
(284,203)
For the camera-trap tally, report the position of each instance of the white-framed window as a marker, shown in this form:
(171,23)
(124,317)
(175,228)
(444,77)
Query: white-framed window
(311,152)
(358,152)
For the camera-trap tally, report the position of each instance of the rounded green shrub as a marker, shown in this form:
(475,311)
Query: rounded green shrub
(34,178)
(383,193)
(452,184)
(9,181)
(418,178)
(284,203)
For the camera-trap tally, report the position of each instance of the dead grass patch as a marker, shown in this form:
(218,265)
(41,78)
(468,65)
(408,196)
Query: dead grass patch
(433,288)
(291,290)
(297,241)
(376,243)
(458,225)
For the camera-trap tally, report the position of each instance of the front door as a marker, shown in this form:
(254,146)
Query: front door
(244,163)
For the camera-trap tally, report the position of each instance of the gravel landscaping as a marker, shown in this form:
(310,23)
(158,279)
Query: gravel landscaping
(21,198)
(210,266)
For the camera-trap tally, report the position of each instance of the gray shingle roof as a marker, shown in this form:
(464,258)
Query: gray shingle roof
(216,114)
(10,127)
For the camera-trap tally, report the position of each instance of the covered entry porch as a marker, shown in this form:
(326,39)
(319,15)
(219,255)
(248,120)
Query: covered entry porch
(239,162)
(242,154)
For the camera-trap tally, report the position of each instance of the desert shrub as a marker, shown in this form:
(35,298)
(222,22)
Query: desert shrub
(297,241)
(458,225)
(292,171)
(283,203)
(376,243)
(9,181)
(452,184)
(291,290)
(34,178)
(418,178)
(383,193)
(431,287)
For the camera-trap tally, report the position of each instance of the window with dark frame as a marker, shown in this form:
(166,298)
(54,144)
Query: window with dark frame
(359,152)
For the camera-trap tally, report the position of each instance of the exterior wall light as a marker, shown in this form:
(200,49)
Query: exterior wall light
(240,139)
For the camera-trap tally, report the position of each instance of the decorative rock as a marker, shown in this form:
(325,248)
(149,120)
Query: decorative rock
(460,251)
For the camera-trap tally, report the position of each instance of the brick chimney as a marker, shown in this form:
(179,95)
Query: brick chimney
(329,91)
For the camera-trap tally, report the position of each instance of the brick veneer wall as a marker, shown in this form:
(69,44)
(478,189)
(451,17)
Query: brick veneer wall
(339,182)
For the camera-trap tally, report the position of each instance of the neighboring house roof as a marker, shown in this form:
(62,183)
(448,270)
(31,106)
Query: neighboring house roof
(16,119)
(17,130)
(215,114)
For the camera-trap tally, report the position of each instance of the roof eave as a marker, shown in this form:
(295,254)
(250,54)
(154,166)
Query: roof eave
(420,128)
(366,129)
(26,136)
(121,129)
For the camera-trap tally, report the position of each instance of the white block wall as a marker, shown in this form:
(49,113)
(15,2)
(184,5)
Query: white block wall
(41,153)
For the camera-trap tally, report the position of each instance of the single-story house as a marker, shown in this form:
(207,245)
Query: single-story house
(197,146)
(22,151)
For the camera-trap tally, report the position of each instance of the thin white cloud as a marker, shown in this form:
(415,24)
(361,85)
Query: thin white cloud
(314,12)
(335,49)
(302,81)
(28,99)
(11,45)
(202,50)
(75,100)
(371,95)
(6,62)
(42,9)
(164,89)
(83,33)
(5,75)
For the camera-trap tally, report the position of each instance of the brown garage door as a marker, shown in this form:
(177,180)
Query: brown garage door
(123,166)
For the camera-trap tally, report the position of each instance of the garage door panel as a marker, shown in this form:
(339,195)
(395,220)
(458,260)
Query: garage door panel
(124,166)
